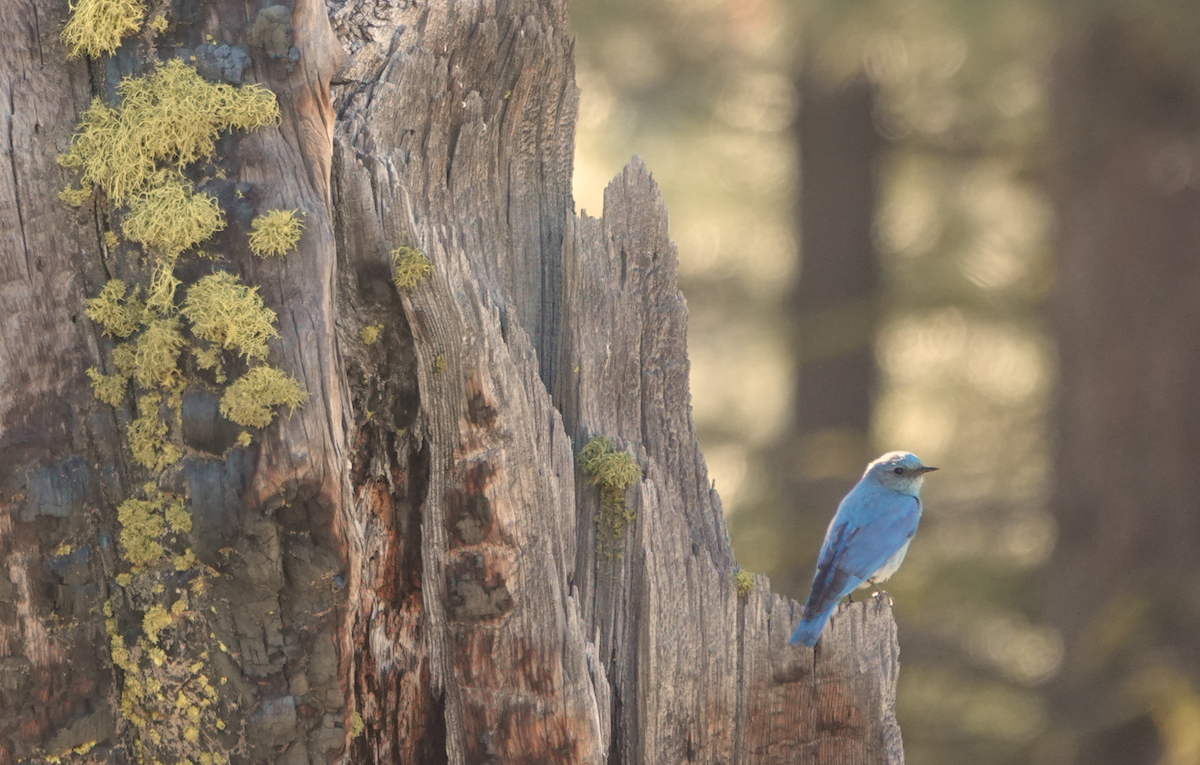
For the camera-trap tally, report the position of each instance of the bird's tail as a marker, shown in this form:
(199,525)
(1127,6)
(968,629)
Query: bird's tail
(809,630)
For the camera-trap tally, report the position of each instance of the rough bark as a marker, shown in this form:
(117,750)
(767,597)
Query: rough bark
(409,566)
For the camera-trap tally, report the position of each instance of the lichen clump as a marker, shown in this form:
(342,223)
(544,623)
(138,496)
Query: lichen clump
(612,472)
(251,400)
(97,26)
(409,267)
(369,334)
(275,233)
(169,215)
(224,311)
(743,580)
(170,115)
(116,315)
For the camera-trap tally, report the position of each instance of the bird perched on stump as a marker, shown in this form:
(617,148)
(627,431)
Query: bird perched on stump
(867,538)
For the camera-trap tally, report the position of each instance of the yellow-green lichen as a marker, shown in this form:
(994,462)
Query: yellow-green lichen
(370,333)
(612,472)
(156,354)
(439,364)
(160,298)
(142,524)
(116,315)
(357,726)
(170,115)
(178,517)
(168,215)
(74,197)
(97,26)
(110,239)
(109,389)
(185,561)
(147,436)
(743,580)
(244,438)
(409,267)
(275,232)
(125,579)
(250,400)
(225,311)
(209,357)
(155,621)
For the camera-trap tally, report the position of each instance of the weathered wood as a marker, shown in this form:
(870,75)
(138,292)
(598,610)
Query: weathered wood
(410,569)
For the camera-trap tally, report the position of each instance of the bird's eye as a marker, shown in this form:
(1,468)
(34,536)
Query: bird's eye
(898,471)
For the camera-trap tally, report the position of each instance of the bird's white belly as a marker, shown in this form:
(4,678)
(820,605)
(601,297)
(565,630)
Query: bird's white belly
(884,572)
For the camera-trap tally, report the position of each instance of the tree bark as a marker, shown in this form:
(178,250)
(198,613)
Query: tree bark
(408,568)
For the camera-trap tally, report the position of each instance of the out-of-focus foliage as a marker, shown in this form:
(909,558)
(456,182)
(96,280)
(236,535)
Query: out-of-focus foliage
(705,92)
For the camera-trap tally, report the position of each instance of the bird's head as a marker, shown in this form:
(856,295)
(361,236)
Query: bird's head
(899,471)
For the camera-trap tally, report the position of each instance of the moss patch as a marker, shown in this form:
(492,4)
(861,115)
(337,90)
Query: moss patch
(224,311)
(369,334)
(275,233)
(251,400)
(612,472)
(743,580)
(409,267)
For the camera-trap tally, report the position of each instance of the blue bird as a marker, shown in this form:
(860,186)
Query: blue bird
(867,538)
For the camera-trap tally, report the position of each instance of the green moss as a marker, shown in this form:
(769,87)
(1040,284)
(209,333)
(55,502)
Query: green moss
(109,389)
(142,524)
(275,233)
(147,436)
(251,399)
(370,333)
(97,26)
(225,311)
(612,472)
(156,354)
(116,315)
(170,115)
(168,215)
(744,581)
(409,267)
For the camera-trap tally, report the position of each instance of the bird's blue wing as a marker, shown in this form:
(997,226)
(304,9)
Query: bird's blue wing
(857,545)
(892,525)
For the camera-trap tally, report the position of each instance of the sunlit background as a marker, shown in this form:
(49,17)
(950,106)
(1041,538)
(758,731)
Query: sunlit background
(948,312)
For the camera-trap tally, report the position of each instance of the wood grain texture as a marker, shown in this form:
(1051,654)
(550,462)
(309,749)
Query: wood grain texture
(410,569)
(545,647)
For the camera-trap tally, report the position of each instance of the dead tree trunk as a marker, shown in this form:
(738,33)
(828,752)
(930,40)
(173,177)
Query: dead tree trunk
(409,567)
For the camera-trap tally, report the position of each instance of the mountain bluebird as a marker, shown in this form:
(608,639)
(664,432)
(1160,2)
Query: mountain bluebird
(867,538)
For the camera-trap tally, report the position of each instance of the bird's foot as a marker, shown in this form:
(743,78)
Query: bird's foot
(885,595)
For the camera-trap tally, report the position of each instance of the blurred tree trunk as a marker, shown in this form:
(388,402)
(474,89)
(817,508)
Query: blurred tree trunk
(408,569)
(832,307)
(1124,583)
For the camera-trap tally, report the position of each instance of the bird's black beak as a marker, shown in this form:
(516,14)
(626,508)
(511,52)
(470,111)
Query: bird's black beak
(926,469)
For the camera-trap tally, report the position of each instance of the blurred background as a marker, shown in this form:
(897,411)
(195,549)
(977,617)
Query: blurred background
(969,229)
